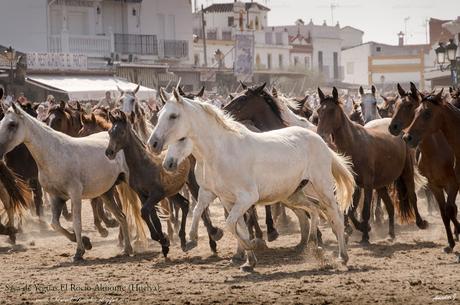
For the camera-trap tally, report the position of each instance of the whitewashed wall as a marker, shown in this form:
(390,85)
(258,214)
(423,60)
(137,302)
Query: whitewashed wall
(355,63)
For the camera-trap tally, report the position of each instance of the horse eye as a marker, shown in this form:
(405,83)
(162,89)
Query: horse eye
(182,139)
(173,116)
(12,125)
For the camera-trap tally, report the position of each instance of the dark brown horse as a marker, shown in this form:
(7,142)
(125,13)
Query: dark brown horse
(150,181)
(436,161)
(370,150)
(303,110)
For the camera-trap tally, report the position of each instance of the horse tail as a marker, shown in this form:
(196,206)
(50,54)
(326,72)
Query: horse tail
(344,180)
(401,200)
(419,180)
(131,206)
(17,189)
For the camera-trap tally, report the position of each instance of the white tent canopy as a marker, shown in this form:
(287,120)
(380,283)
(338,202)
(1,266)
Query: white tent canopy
(83,88)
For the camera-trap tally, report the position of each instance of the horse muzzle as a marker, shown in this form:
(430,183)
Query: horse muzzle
(170,164)
(110,154)
(411,140)
(156,145)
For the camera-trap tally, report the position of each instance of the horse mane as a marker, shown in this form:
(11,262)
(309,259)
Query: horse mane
(223,119)
(288,116)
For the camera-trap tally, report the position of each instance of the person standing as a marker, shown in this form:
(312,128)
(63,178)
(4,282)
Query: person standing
(107,101)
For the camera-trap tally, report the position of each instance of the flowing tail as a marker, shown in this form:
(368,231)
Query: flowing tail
(344,180)
(18,190)
(131,206)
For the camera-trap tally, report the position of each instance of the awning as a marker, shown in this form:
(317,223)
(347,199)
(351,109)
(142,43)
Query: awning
(84,88)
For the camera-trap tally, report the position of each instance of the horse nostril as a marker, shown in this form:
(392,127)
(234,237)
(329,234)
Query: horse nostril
(155,144)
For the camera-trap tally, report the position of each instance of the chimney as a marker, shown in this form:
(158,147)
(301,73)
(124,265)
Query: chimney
(400,38)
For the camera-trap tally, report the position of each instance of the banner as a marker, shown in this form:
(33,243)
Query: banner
(244,54)
(56,61)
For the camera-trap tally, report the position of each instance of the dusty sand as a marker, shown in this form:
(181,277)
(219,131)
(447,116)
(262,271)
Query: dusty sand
(410,270)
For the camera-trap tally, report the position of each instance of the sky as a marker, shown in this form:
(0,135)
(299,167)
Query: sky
(380,20)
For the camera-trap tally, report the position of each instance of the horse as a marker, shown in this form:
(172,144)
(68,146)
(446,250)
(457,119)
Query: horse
(218,143)
(85,173)
(379,159)
(255,107)
(437,160)
(356,115)
(16,197)
(300,107)
(369,105)
(387,109)
(150,181)
(65,119)
(455,96)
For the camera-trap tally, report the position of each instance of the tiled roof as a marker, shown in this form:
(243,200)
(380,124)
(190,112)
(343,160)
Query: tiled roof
(228,7)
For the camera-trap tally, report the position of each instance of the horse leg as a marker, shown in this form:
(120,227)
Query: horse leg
(183,203)
(168,203)
(378,213)
(149,211)
(451,207)
(65,213)
(272,233)
(204,199)
(366,213)
(95,202)
(108,199)
(10,224)
(304,232)
(253,224)
(38,196)
(429,201)
(439,195)
(57,205)
(383,193)
(108,221)
(351,212)
(77,226)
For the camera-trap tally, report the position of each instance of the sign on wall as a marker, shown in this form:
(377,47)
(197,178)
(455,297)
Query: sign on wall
(244,54)
(56,61)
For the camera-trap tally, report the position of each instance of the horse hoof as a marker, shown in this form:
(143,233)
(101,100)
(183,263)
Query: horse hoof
(343,259)
(128,252)
(237,259)
(422,224)
(259,244)
(247,268)
(183,246)
(392,235)
(103,232)
(12,239)
(165,250)
(217,235)
(272,236)
(364,242)
(448,249)
(86,243)
(300,247)
(190,245)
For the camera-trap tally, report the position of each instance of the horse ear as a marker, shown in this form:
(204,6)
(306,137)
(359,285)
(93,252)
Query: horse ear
(177,96)
(78,106)
(243,85)
(320,94)
(119,90)
(384,98)
(373,89)
(201,92)
(111,117)
(450,90)
(260,88)
(439,95)
(304,100)
(400,90)
(137,88)
(16,108)
(181,92)
(361,90)
(1,93)
(335,94)
(62,105)
(162,96)
(274,92)
(82,119)
(231,97)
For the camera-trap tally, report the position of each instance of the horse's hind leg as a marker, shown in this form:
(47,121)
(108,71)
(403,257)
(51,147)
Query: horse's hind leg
(10,223)
(183,204)
(383,193)
(105,217)
(304,232)
(272,233)
(258,239)
(439,195)
(65,212)
(451,207)
(121,218)
(38,196)
(95,203)
(57,205)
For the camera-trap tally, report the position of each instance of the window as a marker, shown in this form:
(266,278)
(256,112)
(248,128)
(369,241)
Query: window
(307,62)
(350,67)
(296,61)
(280,60)
(231,21)
(336,65)
(196,60)
(378,49)
(320,61)
(269,61)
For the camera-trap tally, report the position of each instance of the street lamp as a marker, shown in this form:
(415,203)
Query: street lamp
(446,54)
(10,55)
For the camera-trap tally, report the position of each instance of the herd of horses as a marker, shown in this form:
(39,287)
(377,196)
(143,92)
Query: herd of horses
(138,166)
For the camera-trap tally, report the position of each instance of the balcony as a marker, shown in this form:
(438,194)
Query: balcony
(136,44)
(173,49)
(97,46)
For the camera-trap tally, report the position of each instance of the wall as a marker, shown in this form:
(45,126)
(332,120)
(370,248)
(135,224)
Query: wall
(24,25)
(350,37)
(355,63)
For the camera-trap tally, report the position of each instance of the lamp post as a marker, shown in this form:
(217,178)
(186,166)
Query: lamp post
(10,55)
(446,56)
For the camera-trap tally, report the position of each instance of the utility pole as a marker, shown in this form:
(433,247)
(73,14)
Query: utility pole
(203,27)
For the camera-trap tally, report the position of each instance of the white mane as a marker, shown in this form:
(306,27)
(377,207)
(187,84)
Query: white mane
(290,117)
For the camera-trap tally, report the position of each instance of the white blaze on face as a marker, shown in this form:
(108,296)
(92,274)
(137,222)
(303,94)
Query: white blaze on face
(128,103)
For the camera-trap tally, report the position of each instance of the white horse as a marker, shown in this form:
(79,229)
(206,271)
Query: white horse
(69,168)
(243,168)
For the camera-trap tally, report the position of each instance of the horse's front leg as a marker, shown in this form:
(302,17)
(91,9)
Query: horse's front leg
(205,198)
(183,203)
(366,214)
(272,233)
(77,226)
(149,214)
(97,218)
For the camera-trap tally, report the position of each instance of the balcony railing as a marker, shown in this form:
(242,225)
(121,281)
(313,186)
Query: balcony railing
(80,44)
(136,44)
(173,49)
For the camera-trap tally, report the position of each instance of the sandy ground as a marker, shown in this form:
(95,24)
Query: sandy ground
(409,270)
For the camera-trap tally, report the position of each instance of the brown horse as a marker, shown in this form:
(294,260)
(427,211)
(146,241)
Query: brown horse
(387,109)
(356,114)
(436,162)
(303,110)
(455,95)
(371,149)
(150,180)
